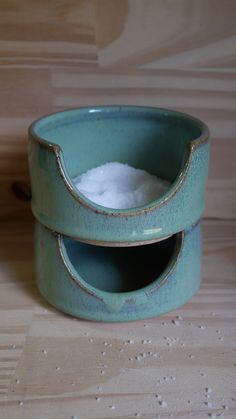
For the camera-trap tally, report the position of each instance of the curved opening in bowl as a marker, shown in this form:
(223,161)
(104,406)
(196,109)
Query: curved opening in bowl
(152,139)
(121,269)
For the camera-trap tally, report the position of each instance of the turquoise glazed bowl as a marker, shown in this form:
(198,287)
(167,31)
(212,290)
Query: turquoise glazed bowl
(169,144)
(117,283)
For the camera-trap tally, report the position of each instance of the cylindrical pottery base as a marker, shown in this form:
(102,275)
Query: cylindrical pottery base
(117,284)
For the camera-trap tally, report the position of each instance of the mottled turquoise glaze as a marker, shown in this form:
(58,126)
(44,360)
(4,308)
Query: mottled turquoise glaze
(169,144)
(117,284)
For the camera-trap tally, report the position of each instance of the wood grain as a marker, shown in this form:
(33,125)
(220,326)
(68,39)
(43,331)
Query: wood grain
(58,366)
(176,54)
(165,34)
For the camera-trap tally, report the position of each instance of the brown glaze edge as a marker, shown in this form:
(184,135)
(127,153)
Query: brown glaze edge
(73,277)
(192,146)
(182,178)
(118,244)
(180,237)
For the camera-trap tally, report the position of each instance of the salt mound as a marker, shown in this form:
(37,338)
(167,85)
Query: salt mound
(117,185)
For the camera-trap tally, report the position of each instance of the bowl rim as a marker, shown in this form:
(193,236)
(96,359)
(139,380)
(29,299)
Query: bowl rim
(99,209)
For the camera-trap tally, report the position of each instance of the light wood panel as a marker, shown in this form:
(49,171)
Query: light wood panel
(176,54)
(165,34)
(47,33)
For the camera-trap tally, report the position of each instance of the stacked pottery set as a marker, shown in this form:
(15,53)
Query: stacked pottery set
(109,264)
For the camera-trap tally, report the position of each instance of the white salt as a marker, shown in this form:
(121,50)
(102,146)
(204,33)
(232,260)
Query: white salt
(176,322)
(162,403)
(117,185)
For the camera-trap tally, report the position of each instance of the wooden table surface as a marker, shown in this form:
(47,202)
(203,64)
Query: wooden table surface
(59,54)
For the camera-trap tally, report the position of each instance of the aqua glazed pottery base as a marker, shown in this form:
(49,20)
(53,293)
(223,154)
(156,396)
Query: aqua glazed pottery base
(171,145)
(117,284)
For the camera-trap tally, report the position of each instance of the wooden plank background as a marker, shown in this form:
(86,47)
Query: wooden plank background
(58,54)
